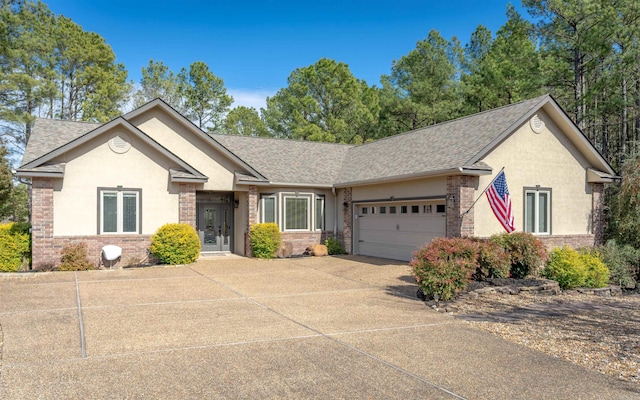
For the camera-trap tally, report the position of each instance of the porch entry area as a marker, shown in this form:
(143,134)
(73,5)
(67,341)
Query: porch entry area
(214,221)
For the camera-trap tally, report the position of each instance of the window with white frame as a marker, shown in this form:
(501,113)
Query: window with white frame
(537,210)
(268,208)
(319,220)
(296,213)
(119,210)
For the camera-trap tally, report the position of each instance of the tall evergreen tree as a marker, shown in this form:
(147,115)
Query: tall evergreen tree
(323,102)
(244,121)
(424,84)
(504,70)
(158,81)
(204,98)
(27,78)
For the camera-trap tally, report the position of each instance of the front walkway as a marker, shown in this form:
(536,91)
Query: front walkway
(229,327)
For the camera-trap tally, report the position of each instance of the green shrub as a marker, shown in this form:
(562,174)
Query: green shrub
(334,246)
(623,262)
(573,269)
(15,244)
(597,272)
(493,261)
(175,244)
(74,258)
(566,267)
(527,253)
(265,239)
(445,266)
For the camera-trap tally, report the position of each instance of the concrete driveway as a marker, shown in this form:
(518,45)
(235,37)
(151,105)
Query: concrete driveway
(230,327)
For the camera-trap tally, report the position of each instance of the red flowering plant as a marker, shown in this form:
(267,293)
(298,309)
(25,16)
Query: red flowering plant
(443,268)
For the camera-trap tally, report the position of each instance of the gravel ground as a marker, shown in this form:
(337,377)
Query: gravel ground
(600,333)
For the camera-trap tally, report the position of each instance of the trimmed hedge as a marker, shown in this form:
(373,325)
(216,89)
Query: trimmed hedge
(176,244)
(265,239)
(15,243)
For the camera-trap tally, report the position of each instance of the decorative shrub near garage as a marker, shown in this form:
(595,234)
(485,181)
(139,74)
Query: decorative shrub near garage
(443,268)
(176,244)
(334,246)
(527,253)
(571,268)
(15,243)
(75,257)
(265,239)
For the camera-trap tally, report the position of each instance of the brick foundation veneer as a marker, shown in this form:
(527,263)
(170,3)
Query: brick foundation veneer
(134,248)
(575,241)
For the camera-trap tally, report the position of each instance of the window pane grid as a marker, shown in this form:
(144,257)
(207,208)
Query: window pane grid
(110,212)
(296,211)
(537,212)
(319,213)
(129,212)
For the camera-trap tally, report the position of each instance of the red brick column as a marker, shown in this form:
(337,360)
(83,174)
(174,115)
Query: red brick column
(252,217)
(187,203)
(460,192)
(42,221)
(348,219)
(597,212)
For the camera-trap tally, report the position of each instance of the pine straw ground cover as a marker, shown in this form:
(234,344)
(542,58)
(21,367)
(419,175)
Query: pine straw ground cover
(599,333)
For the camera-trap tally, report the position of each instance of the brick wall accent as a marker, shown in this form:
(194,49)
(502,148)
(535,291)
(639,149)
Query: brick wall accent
(302,240)
(42,220)
(252,218)
(347,231)
(187,203)
(461,189)
(134,248)
(597,216)
(575,241)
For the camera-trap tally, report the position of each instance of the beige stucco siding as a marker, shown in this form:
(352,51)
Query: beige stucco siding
(403,189)
(95,165)
(546,159)
(197,152)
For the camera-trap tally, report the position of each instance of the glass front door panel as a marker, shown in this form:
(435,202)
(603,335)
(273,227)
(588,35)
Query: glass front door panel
(210,229)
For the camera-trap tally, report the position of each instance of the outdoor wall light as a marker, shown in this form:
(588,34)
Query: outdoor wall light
(236,203)
(345,205)
(451,201)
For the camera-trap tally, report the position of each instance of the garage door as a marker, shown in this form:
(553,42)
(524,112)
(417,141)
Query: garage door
(395,230)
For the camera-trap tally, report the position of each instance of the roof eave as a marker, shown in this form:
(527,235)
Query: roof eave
(464,170)
(190,180)
(38,174)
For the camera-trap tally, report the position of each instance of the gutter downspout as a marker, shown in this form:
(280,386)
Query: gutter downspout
(335,209)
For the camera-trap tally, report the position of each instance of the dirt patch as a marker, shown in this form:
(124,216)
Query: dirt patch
(597,332)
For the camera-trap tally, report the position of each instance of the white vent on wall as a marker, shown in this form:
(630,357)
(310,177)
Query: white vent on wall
(119,144)
(537,125)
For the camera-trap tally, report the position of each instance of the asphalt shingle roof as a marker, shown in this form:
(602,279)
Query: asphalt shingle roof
(444,146)
(49,134)
(290,161)
(441,147)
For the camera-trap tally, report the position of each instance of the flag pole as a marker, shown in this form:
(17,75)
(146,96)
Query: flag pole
(485,189)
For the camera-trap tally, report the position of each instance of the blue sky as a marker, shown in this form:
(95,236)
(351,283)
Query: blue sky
(254,45)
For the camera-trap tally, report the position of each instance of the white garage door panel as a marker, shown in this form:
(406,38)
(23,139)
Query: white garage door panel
(397,236)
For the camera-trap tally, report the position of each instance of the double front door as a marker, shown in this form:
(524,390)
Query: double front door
(215,226)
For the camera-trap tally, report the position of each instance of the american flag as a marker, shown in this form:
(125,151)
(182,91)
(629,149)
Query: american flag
(500,201)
